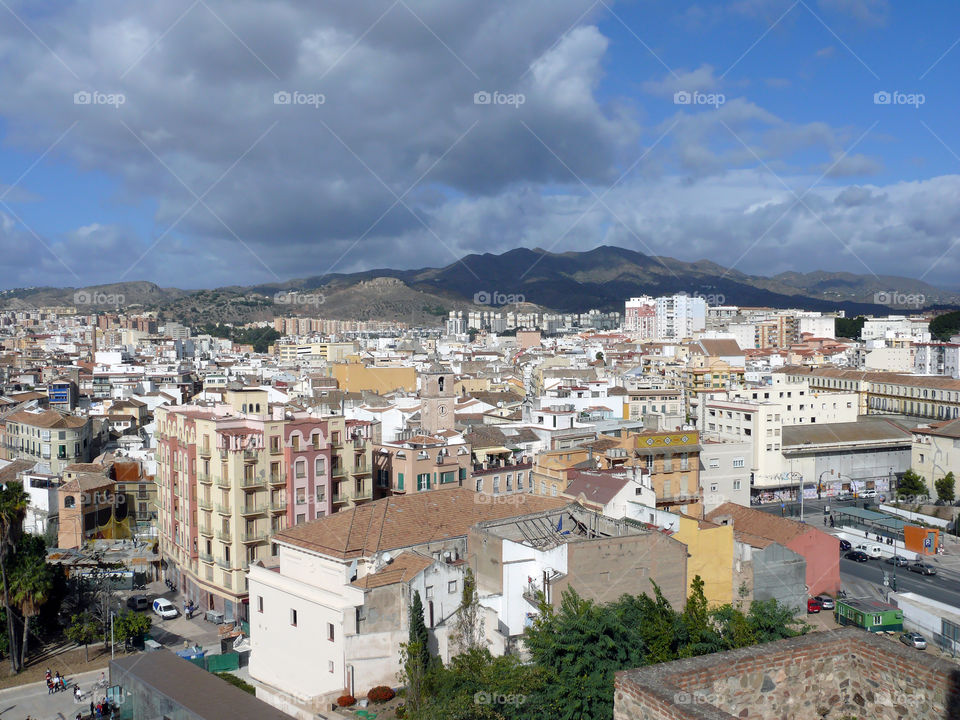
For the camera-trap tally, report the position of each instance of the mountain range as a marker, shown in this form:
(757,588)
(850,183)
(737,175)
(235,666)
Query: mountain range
(601,278)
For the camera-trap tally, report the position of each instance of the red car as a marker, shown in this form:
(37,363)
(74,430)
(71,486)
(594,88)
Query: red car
(813,606)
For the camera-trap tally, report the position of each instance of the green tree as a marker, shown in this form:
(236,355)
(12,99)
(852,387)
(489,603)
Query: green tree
(13,506)
(770,620)
(697,636)
(412,674)
(912,486)
(31,583)
(850,327)
(945,326)
(468,626)
(419,638)
(130,626)
(83,630)
(945,487)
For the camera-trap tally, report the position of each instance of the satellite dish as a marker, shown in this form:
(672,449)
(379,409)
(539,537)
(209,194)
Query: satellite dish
(387,558)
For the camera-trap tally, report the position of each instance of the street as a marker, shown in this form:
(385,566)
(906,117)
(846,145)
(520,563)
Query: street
(35,702)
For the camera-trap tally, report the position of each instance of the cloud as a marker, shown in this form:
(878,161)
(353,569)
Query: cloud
(702,79)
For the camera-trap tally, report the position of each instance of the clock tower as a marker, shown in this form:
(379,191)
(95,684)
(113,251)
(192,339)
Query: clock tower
(436,399)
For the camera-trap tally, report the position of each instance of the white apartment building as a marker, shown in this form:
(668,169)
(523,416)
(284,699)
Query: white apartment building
(725,473)
(680,316)
(897,327)
(639,316)
(937,358)
(818,325)
(759,414)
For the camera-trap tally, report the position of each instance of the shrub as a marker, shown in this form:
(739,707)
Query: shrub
(346,700)
(401,711)
(381,693)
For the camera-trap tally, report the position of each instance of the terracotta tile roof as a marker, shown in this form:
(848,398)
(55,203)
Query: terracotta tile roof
(85,482)
(48,419)
(9,472)
(126,471)
(406,566)
(597,488)
(756,522)
(405,521)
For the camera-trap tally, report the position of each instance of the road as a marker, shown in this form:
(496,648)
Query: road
(33,700)
(944,586)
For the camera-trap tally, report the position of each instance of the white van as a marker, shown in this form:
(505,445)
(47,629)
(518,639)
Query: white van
(873,551)
(164,608)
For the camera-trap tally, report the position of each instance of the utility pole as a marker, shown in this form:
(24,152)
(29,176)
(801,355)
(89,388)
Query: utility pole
(111,635)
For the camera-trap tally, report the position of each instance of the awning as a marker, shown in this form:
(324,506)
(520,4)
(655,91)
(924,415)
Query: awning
(499,450)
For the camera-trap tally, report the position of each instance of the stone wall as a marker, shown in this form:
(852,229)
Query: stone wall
(837,674)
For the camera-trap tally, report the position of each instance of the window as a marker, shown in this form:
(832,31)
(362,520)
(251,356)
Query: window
(301,495)
(429,592)
(496,484)
(479,484)
(452,586)
(320,467)
(330,632)
(293,617)
(714,463)
(330,666)
(554,493)
(260,603)
(301,517)
(738,462)
(519,481)
(301,467)
(400,481)
(509,482)
(321,493)
(543,487)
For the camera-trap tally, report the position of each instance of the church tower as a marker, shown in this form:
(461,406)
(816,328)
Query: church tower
(436,399)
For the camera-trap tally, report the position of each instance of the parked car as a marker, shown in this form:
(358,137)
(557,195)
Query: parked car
(923,568)
(898,560)
(857,555)
(869,494)
(826,602)
(164,608)
(914,640)
(871,551)
(845,545)
(138,602)
(813,606)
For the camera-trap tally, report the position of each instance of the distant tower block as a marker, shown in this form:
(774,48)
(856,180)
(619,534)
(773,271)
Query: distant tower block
(437,399)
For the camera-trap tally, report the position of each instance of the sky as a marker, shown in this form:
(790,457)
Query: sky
(203,143)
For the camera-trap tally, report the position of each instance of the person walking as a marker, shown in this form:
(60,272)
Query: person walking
(49,686)
(76,693)
(91,707)
(63,682)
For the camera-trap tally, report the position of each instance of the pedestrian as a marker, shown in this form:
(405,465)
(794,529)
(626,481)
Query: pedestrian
(56,682)
(76,693)
(63,682)
(49,686)
(824,520)
(91,707)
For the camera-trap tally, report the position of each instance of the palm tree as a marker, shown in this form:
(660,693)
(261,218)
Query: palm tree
(13,507)
(31,583)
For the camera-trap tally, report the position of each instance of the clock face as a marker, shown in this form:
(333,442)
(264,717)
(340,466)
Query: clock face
(442,409)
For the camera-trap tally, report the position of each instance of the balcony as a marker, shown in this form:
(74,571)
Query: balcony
(341,497)
(204,478)
(223,509)
(364,492)
(206,557)
(224,454)
(253,508)
(225,564)
(253,481)
(255,536)
(204,530)
(278,480)
(338,472)
(205,504)
(278,506)
(225,535)
(204,451)
(250,455)
(223,483)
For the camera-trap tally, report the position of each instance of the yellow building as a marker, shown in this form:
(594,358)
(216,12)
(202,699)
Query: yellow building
(356,377)
(710,551)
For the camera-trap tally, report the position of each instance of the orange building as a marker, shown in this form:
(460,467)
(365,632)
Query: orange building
(924,541)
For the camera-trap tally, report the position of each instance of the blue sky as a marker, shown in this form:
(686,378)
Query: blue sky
(200,178)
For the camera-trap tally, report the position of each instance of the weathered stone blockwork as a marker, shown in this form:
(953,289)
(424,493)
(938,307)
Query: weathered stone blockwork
(838,674)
